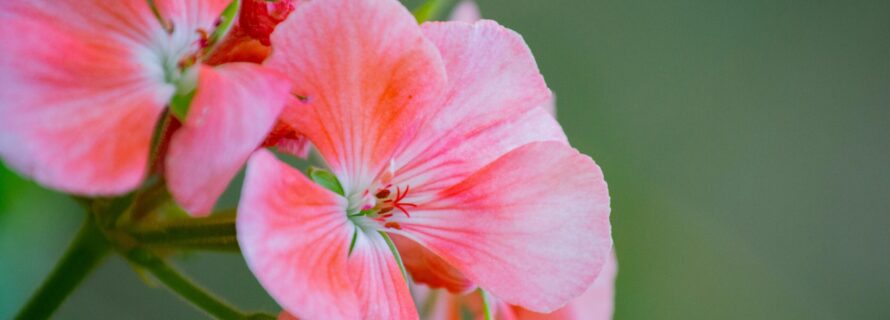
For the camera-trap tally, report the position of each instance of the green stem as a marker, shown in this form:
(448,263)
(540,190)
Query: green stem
(184,287)
(84,254)
(215,233)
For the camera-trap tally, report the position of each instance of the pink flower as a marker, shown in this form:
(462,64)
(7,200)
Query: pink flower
(84,84)
(466,11)
(434,135)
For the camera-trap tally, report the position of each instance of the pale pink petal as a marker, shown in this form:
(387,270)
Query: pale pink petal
(597,303)
(494,87)
(532,227)
(77,110)
(295,237)
(233,109)
(366,72)
(381,288)
(466,11)
(550,105)
(187,16)
(427,268)
(83,85)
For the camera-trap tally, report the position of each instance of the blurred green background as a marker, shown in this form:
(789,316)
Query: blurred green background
(746,145)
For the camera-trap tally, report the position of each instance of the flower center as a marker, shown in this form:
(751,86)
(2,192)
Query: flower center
(381,204)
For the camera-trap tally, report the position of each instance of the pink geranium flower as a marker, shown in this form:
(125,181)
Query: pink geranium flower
(435,135)
(85,82)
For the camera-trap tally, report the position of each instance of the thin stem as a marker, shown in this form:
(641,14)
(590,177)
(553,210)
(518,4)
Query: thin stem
(183,286)
(84,254)
(215,233)
(148,199)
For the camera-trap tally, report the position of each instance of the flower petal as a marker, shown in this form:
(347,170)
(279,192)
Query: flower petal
(466,11)
(77,110)
(380,286)
(83,84)
(597,303)
(550,105)
(367,73)
(427,268)
(494,89)
(295,237)
(248,41)
(233,109)
(532,228)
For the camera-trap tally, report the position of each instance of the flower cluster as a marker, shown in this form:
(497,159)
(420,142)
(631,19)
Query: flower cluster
(445,170)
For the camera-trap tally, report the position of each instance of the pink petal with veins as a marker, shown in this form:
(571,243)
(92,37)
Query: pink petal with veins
(295,237)
(532,227)
(367,74)
(83,85)
(488,109)
(233,109)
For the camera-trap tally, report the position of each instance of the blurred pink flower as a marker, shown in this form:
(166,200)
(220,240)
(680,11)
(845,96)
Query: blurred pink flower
(435,135)
(85,82)
(466,11)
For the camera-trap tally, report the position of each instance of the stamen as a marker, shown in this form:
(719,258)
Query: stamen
(204,40)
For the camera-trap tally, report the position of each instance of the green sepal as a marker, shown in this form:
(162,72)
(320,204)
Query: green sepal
(226,20)
(352,243)
(429,10)
(487,305)
(395,253)
(186,87)
(326,179)
(180,103)
(166,24)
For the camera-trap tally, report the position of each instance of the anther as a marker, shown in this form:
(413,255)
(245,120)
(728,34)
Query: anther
(393,225)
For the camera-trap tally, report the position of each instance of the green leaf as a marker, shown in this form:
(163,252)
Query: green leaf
(326,179)
(429,10)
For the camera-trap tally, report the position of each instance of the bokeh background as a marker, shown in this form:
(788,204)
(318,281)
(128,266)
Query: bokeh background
(746,145)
